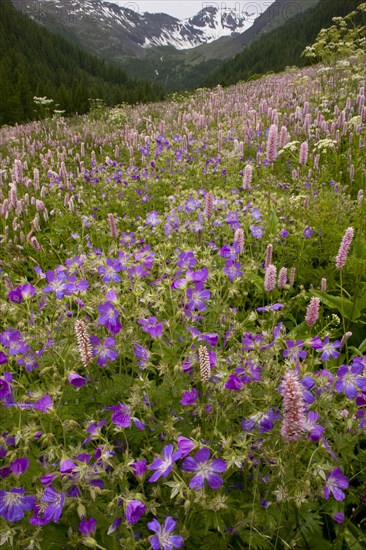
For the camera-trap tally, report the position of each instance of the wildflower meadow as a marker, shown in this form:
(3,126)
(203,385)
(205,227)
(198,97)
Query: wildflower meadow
(183,311)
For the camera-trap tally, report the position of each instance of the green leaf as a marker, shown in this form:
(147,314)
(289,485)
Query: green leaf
(354,537)
(362,346)
(298,331)
(348,309)
(359,249)
(272,223)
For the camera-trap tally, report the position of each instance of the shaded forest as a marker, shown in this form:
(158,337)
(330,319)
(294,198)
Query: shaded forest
(35,62)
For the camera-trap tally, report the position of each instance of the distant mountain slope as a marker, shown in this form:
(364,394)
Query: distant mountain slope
(34,62)
(106,28)
(280,47)
(177,54)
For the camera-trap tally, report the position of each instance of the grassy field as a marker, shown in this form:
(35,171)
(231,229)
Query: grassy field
(183,309)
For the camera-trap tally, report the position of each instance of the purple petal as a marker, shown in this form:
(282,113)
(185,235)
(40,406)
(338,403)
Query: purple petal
(338,494)
(203,455)
(169,524)
(197,482)
(154,526)
(189,464)
(214,481)
(218,465)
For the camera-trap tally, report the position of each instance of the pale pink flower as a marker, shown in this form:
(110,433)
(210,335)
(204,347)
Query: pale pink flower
(304,148)
(268,259)
(112,226)
(344,248)
(293,423)
(270,278)
(272,142)
(247,178)
(282,278)
(312,312)
(84,345)
(209,200)
(205,367)
(239,238)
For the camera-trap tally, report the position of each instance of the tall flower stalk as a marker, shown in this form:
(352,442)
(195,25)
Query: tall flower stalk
(293,424)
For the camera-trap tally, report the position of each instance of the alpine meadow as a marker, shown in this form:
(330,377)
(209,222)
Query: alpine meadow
(183,308)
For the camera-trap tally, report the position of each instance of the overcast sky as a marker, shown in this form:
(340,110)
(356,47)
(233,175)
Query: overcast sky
(187,8)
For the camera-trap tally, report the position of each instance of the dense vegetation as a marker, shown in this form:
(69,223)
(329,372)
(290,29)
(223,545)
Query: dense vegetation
(282,47)
(34,62)
(183,311)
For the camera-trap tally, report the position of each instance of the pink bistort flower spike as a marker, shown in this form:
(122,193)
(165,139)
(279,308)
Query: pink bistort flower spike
(312,312)
(344,248)
(270,278)
(209,199)
(293,424)
(272,142)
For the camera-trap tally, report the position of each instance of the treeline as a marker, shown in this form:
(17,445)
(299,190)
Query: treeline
(282,47)
(34,62)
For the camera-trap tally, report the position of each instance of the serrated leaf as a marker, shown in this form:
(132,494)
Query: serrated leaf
(297,331)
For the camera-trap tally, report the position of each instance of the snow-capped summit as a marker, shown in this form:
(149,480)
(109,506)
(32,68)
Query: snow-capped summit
(103,22)
(206,26)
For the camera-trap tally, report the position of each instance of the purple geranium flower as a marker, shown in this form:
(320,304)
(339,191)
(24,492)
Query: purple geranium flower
(5,388)
(139,468)
(104,351)
(134,510)
(189,397)
(110,271)
(51,508)
(44,404)
(307,232)
(274,307)
(197,297)
(232,269)
(328,349)
(232,218)
(256,231)
(205,469)
(164,466)
(349,379)
(185,445)
(109,317)
(142,354)
(336,481)
(338,517)
(294,351)
(263,422)
(59,284)
(19,466)
(15,295)
(152,327)
(186,260)
(199,276)
(76,380)
(164,540)
(122,416)
(14,341)
(230,252)
(87,526)
(152,218)
(315,430)
(14,503)
(27,291)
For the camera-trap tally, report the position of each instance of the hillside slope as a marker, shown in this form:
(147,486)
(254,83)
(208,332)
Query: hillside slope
(281,47)
(35,62)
